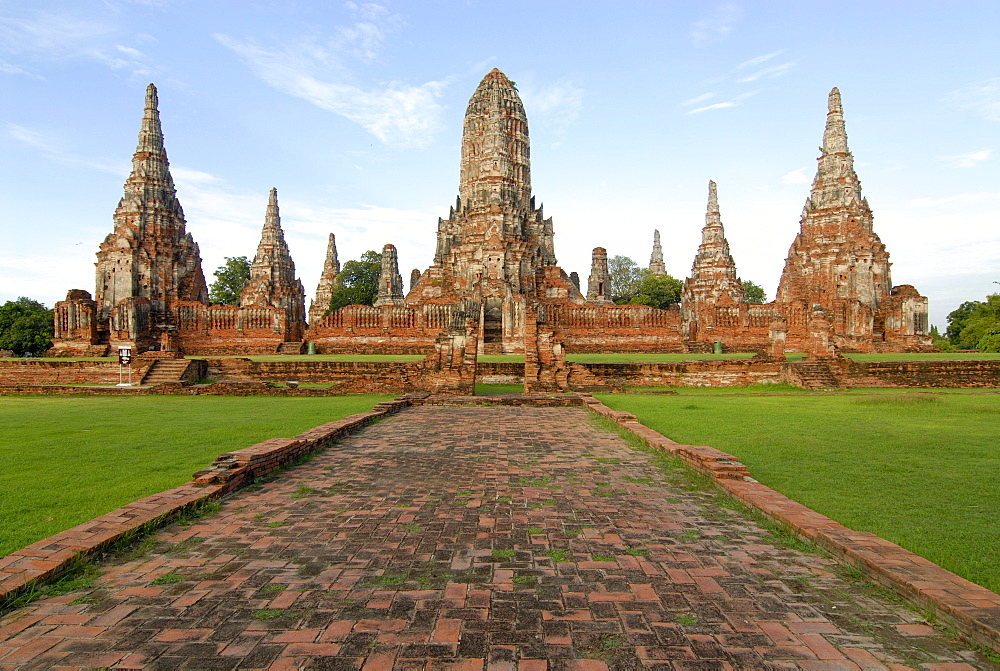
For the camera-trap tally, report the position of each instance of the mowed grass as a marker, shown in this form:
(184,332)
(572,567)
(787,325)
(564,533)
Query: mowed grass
(66,459)
(917,468)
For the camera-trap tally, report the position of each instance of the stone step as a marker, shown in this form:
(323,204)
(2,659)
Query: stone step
(165,370)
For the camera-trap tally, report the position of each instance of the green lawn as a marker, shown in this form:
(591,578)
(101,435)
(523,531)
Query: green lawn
(917,468)
(68,459)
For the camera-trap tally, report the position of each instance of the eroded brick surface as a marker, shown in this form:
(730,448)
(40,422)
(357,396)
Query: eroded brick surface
(471,537)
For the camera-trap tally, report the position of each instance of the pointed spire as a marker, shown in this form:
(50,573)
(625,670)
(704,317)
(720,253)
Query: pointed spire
(495,167)
(324,290)
(656,265)
(390,282)
(272,273)
(835,135)
(713,273)
(150,159)
(713,231)
(836,183)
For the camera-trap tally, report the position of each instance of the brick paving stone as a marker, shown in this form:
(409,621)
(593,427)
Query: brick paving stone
(474,538)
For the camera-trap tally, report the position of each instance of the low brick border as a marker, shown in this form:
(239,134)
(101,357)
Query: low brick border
(47,559)
(974,611)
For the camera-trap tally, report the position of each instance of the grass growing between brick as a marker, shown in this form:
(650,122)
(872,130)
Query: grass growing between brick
(67,460)
(916,468)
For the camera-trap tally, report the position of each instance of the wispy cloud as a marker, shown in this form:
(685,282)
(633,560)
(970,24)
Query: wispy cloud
(50,148)
(736,101)
(795,177)
(982,97)
(15,70)
(62,35)
(770,73)
(717,26)
(757,60)
(555,105)
(969,160)
(398,114)
(698,99)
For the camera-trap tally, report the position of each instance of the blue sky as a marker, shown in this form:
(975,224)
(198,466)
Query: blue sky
(353,111)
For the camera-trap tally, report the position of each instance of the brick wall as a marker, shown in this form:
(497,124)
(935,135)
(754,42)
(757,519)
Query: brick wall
(984,374)
(32,371)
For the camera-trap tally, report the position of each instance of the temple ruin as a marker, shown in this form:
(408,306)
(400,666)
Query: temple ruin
(494,285)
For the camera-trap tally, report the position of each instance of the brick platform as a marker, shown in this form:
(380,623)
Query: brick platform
(471,538)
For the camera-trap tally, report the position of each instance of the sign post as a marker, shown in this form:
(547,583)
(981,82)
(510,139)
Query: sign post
(125,359)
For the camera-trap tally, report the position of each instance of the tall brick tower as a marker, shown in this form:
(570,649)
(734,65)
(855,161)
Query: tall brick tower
(656,264)
(324,290)
(495,248)
(713,273)
(837,260)
(272,276)
(149,262)
(713,292)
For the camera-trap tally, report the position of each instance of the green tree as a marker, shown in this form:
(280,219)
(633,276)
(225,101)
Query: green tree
(990,342)
(626,276)
(357,283)
(230,279)
(754,293)
(956,322)
(658,291)
(25,327)
(984,318)
(973,321)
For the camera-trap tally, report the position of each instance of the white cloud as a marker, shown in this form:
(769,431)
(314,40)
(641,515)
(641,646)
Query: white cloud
(969,160)
(555,105)
(983,98)
(735,102)
(698,99)
(54,35)
(397,114)
(364,38)
(717,26)
(52,150)
(716,106)
(15,70)
(770,73)
(795,177)
(757,60)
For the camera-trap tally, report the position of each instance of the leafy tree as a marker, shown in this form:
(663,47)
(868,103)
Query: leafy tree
(626,276)
(754,293)
(973,321)
(957,319)
(230,279)
(658,291)
(357,283)
(25,327)
(991,341)
(983,318)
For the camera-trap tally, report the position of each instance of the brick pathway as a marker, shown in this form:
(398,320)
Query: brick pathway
(471,538)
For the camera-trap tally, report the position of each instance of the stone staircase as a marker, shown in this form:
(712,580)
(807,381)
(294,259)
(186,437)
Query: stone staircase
(290,348)
(166,370)
(815,375)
